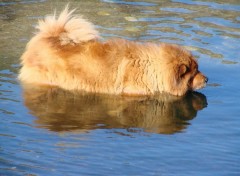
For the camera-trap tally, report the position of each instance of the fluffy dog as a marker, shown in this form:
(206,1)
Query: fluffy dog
(67,52)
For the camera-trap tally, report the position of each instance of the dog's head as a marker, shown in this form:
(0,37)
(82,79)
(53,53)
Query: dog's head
(182,70)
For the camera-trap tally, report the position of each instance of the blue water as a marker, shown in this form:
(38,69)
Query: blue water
(54,132)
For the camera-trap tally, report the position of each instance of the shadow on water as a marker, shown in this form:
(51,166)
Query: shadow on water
(61,111)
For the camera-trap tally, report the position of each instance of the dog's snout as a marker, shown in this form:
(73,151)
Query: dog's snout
(206,79)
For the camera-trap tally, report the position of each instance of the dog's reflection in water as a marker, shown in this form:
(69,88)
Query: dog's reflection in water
(62,111)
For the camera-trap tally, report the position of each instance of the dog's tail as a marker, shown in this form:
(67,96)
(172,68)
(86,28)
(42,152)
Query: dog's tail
(68,28)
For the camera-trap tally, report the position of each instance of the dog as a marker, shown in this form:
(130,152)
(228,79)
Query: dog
(67,52)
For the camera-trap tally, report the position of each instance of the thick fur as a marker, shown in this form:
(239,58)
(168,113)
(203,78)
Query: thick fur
(67,52)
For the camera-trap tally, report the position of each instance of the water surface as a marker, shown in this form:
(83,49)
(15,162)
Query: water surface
(47,131)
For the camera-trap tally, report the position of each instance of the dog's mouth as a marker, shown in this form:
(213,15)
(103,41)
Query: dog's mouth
(200,86)
(197,82)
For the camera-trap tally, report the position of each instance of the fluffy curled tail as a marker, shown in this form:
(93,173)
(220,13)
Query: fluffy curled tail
(69,28)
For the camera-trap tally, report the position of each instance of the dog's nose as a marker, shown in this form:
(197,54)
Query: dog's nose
(206,79)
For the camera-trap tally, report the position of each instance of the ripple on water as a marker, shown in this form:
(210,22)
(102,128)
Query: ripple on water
(177,10)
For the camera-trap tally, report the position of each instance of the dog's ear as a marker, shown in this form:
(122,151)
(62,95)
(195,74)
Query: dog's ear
(182,70)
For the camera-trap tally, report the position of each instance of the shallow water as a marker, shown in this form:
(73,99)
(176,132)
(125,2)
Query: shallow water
(53,132)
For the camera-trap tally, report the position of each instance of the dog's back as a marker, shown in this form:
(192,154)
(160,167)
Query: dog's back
(66,53)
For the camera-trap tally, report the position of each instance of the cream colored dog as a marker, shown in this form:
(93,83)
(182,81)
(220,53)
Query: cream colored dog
(66,52)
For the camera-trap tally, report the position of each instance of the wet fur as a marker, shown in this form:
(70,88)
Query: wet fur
(67,52)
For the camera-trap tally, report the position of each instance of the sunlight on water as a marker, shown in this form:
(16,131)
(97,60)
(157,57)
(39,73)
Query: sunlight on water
(48,131)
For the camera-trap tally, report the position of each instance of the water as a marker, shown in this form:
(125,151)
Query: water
(54,132)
